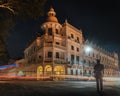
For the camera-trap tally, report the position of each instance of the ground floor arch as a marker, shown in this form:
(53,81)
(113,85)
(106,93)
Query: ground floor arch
(39,72)
(59,70)
(48,70)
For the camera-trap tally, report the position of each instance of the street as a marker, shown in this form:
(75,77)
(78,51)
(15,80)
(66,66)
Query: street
(57,88)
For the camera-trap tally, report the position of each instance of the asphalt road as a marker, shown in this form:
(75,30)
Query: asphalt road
(57,88)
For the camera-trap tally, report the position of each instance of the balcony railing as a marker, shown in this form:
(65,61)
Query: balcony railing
(54,45)
(47,59)
(49,38)
(61,47)
(48,44)
(60,61)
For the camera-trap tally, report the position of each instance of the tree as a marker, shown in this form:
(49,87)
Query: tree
(10,9)
(24,8)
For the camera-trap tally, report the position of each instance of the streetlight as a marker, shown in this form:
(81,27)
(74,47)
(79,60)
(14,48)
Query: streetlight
(86,50)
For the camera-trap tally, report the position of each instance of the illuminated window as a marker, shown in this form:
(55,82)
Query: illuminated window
(49,54)
(49,31)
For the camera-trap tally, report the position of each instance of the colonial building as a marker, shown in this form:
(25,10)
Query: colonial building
(59,51)
(109,60)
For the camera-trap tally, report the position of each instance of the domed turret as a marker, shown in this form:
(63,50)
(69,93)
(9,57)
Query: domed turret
(51,16)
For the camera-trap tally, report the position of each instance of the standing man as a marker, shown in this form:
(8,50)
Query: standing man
(99,71)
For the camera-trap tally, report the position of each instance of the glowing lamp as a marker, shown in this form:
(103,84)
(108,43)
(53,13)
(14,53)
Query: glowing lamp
(87,49)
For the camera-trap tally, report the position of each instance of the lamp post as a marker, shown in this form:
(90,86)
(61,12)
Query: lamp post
(86,50)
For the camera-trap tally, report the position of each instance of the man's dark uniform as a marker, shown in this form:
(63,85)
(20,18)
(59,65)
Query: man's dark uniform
(99,71)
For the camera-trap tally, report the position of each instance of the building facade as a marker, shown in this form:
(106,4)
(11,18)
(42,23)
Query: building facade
(109,60)
(59,51)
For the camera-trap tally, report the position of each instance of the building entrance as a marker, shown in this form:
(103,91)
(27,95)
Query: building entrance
(39,72)
(59,72)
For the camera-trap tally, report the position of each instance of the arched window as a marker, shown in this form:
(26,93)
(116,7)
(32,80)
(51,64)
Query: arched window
(72,47)
(72,36)
(57,43)
(78,39)
(49,31)
(56,31)
(77,49)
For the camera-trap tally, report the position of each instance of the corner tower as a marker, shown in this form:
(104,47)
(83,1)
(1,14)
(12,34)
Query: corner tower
(53,45)
(51,24)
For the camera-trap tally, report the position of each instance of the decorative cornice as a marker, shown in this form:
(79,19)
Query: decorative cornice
(67,24)
(98,48)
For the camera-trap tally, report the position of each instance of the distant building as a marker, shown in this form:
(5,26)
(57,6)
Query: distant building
(109,60)
(59,51)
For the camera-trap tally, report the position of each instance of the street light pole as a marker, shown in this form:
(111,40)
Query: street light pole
(83,57)
(86,49)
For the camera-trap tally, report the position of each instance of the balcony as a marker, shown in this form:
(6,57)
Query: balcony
(72,62)
(61,47)
(48,44)
(48,38)
(46,59)
(60,61)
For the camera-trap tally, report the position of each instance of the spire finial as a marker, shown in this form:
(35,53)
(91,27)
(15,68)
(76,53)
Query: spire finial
(66,21)
(51,8)
(51,12)
(51,15)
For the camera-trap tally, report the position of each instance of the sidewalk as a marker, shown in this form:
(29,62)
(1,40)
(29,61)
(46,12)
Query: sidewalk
(91,78)
(117,79)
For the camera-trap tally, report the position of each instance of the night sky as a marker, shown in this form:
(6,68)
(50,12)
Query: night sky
(98,19)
